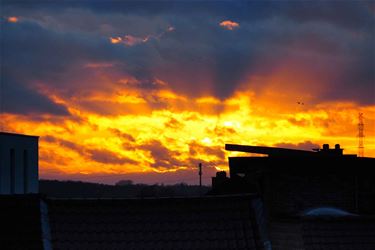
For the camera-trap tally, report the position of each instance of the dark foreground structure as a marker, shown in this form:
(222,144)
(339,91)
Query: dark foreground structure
(287,200)
(291,181)
(18,163)
(222,222)
(320,199)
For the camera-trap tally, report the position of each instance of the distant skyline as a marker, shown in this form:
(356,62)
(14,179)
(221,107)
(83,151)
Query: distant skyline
(147,90)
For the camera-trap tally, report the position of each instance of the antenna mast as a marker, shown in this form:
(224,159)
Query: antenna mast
(200,174)
(361,147)
(200,178)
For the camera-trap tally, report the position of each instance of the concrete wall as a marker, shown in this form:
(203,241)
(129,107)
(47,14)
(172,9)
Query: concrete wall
(18,164)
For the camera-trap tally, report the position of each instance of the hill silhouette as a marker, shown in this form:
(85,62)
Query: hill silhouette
(123,189)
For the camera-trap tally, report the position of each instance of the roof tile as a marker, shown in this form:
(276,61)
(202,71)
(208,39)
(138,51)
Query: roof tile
(173,223)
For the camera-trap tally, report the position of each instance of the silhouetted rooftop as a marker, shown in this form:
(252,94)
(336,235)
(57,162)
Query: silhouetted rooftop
(285,152)
(266,150)
(15,134)
(20,222)
(222,222)
(167,223)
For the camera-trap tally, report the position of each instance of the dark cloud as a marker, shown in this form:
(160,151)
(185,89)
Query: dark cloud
(108,157)
(122,135)
(35,60)
(196,149)
(166,158)
(346,14)
(19,99)
(222,131)
(333,41)
(173,123)
(99,155)
(307,145)
(357,78)
(163,157)
(64,143)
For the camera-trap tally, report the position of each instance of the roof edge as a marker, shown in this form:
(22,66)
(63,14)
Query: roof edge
(16,134)
(266,150)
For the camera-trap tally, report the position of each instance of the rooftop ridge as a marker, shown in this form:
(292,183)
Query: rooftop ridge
(267,150)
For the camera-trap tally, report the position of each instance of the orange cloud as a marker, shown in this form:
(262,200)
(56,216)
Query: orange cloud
(129,40)
(128,131)
(12,19)
(115,40)
(229,25)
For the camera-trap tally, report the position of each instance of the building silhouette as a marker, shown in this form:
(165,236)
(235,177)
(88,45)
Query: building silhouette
(321,199)
(291,181)
(18,163)
(288,200)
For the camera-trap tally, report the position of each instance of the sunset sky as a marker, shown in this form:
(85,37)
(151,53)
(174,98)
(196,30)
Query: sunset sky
(147,90)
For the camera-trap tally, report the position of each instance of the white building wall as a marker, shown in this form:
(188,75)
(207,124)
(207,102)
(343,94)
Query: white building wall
(25,164)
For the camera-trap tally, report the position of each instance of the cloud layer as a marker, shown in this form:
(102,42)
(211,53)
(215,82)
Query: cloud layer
(82,71)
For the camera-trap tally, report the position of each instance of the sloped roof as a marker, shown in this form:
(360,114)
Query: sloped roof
(14,134)
(20,222)
(166,223)
(324,233)
(269,150)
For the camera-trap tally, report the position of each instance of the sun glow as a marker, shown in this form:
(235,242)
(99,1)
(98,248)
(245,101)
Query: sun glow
(168,140)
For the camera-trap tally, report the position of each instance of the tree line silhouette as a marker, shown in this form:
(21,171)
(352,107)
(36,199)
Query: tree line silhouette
(122,189)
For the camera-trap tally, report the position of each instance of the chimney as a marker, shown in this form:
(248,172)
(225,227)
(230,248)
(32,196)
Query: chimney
(338,149)
(334,151)
(220,179)
(221,174)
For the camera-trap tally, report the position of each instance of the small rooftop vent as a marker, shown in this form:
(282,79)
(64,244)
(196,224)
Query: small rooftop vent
(334,151)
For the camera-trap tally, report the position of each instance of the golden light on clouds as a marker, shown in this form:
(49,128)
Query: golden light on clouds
(170,138)
(148,89)
(115,40)
(229,25)
(130,40)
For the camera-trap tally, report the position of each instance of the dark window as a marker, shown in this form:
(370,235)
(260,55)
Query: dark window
(25,171)
(12,171)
